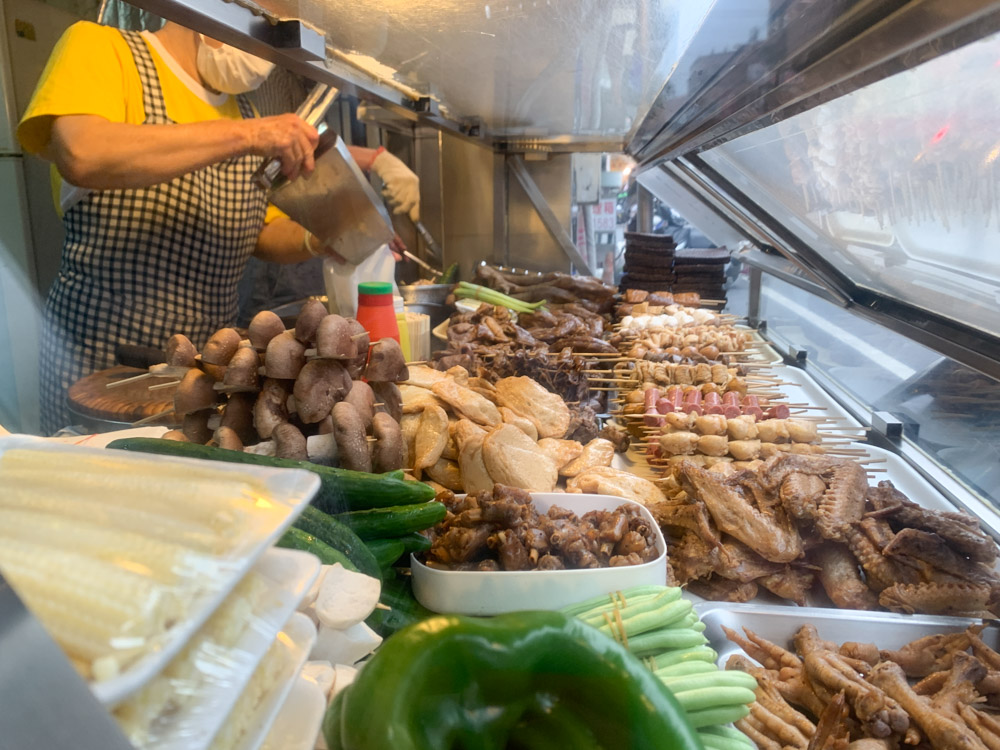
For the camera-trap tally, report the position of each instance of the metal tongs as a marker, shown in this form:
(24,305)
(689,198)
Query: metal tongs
(312,111)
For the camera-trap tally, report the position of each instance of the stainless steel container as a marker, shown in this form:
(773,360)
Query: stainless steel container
(336,203)
(425,294)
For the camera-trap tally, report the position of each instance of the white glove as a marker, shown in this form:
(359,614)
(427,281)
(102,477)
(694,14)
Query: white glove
(402,186)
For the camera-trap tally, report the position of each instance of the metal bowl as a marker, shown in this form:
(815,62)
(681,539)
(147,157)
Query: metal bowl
(425,294)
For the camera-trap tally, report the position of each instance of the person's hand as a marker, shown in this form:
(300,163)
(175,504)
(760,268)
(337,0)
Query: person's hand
(286,136)
(396,247)
(402,187)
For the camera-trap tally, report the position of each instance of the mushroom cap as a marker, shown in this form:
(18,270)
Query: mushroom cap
(285,356)
(312,312)
(333,338)
(264,326)
(195,392)
(221,347)
(242,372)
(180,352)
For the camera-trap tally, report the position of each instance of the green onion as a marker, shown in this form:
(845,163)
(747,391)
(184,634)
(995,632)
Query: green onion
(466,290)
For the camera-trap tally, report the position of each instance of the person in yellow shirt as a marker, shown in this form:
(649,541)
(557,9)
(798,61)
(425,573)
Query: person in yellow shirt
(156,149)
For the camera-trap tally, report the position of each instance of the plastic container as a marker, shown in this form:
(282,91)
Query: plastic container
(376,311)
(475,592)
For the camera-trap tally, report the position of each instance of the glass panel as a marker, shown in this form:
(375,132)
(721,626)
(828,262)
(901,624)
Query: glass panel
(895,184)
(957,409)
(537,69)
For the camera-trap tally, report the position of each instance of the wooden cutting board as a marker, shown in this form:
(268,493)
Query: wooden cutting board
(128,403)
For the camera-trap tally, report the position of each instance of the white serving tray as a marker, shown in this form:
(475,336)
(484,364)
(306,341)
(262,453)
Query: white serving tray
(802,389)
(779,624)
(297,724)
(473,592)
(290,490)
(290,574)
(297,637)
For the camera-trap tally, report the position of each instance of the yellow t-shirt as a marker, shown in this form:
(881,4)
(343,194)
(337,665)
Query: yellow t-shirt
(91,72)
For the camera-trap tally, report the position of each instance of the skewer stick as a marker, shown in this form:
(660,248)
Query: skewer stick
(160,386)
(152,417)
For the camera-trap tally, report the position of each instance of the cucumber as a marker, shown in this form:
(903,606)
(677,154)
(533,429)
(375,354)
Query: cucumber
(340,489)
(415,542)
(404,609)
(380,523)
(329,530)
(386,551)
(298,539)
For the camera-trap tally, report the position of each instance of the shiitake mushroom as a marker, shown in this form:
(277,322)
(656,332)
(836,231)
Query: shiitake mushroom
(180,352)
(226,437)
(320,384)
(221,347)
(333,338)
(285,357)
(195,427)
(238,416)
(352,443)
(362,397)
(387,453)
(195,392)
(242,373)
(389,399)
(386,363)
(289,442)
(271,407)
(264,326)
(306,324)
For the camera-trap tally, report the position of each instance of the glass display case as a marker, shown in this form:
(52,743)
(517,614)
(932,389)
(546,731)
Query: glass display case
(950,413)
(895,184)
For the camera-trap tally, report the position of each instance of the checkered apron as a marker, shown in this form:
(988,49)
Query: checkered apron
(141,265)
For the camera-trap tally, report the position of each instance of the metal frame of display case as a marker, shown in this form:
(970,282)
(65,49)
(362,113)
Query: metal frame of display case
(814,52)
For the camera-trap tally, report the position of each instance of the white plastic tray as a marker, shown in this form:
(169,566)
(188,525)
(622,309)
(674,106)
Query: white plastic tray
(475,592)
(802,389)
(298,722)
(290,573)
(298,637)
(779,624)
(290,490)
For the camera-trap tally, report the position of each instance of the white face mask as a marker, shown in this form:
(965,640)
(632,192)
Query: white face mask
(231,70)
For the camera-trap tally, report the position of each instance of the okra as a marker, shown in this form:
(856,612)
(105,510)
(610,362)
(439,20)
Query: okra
(724,742)
(644,622)
(701,699)
(711,716)
(686,668)
(682,683)
(601,603)
(664,640)
(681,656)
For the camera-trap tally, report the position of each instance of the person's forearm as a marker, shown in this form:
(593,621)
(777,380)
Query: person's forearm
(281,241)
(363,156)
(92,152)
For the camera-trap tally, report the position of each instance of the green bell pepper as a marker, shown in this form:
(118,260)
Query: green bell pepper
(524,680)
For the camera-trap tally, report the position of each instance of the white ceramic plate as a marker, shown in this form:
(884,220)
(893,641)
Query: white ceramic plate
(290,491)
(297,724)
(289,574)
(298,637)
(476,592)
